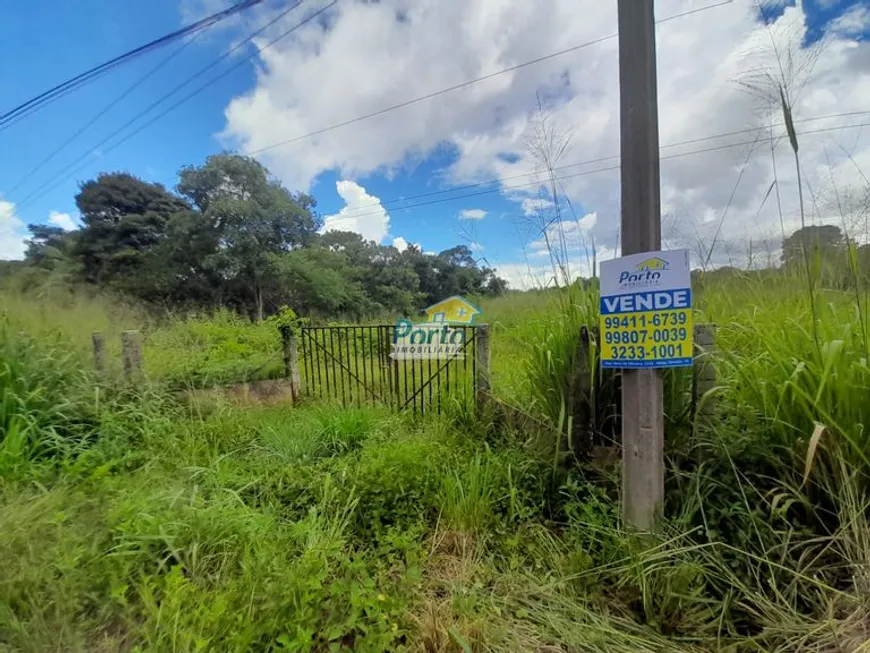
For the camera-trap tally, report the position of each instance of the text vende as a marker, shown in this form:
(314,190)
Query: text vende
(657,300)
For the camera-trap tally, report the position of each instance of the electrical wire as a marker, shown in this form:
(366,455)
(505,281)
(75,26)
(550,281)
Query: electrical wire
(471,82)
(81,130)
(351,214)
(97,71)
(615,157)
(72,169)
(532,62)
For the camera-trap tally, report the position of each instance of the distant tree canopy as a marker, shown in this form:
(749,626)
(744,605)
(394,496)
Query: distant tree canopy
(234,236)
(834,259)
(826,239)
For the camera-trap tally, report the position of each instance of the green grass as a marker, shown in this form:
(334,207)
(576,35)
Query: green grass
(132,522)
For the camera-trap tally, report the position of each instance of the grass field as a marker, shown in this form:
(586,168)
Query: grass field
(132,522)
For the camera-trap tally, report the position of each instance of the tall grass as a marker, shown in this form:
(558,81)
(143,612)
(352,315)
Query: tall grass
(44,407)
(186,350)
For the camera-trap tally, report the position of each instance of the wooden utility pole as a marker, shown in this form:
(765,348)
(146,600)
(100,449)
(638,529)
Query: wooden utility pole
(642,411)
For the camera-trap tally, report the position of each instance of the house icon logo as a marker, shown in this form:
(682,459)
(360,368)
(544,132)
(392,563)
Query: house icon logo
(653,264)
(455,310)
(442,335)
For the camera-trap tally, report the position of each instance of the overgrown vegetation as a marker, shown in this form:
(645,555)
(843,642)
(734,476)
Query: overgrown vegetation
(130,521)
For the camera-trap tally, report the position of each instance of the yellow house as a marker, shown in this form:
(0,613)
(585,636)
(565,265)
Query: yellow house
(654,263)
(452,309)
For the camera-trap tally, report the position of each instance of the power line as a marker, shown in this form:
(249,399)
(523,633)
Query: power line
(50,185)
(28,112)
(471,82)
(96,71)
(584,173)
(100,114)
(223,74)
(604,159)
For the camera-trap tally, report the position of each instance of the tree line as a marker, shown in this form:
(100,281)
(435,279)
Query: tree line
(825,252)
(232,235)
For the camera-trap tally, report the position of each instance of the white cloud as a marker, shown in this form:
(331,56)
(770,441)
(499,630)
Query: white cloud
(401,244)
(472,214)
(367,59)
(853,23)
(571,235)
(362,213)
(63,220)
(476,247)
(540,274)
(12,234)
(535,205)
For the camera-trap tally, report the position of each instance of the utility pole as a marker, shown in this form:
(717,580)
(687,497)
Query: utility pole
(643,481)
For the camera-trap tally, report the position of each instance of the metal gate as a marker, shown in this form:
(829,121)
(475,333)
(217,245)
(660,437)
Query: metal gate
(352,365)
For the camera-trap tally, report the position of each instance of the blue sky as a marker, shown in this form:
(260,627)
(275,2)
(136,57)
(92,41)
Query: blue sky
(185,136)
(367,60)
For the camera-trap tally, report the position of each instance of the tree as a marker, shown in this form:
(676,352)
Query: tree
(236,237)
(45,243)
(392,284)
(51,258)
(253,218)
(319,280)
(494,284)
(825,240)
(178,271)
(123,217)
(459,256)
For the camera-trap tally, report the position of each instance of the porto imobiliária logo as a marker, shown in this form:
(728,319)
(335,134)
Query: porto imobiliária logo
(645,274)
(441,335)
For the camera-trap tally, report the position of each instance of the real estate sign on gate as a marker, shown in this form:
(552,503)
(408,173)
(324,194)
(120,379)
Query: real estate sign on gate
(442,336)
(646,310)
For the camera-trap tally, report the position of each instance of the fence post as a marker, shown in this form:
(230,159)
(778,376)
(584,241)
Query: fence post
(291,361)
(704,370)
(583,406)
(131,354)
(481,354)
(99,345)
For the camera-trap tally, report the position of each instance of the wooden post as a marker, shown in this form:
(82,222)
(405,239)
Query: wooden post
(643,483)
(291,361)
(131,354)
(481,354)
(99,345)
(704,371)
(584,408)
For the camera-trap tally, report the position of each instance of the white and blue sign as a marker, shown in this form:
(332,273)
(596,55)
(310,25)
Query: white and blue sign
(646,310)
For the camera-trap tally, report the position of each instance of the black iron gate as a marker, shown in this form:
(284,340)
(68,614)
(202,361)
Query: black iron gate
(356,365)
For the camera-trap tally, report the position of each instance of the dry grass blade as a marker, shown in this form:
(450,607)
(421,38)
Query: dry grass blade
(818,431)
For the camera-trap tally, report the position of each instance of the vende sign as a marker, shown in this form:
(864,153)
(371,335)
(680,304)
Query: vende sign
(649,301)
(646,310)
